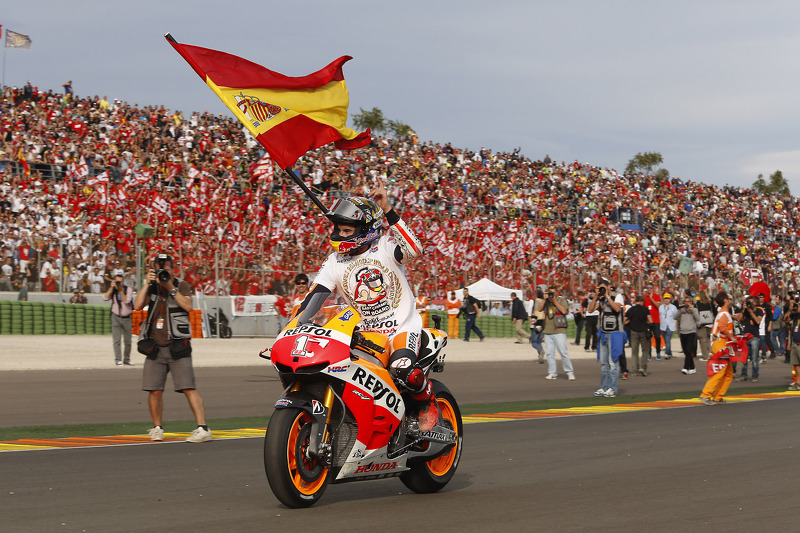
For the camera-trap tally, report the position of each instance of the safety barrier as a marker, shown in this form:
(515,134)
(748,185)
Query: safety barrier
(492,326)
(46,318)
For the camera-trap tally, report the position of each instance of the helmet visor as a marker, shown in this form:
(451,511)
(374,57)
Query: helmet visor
(345,212)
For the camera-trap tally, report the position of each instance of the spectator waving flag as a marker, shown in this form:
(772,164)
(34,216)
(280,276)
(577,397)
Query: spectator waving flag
(17,40)
(287,115)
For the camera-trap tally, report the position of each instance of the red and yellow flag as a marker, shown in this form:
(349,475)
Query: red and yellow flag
(287,115)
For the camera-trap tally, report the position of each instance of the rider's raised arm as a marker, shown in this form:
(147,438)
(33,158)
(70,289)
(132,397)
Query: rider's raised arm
(312,303)
(408,245)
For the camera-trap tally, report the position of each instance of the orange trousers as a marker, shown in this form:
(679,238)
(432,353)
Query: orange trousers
(452,326)
(717,385)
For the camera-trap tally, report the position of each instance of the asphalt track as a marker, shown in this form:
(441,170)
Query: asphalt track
(679,469)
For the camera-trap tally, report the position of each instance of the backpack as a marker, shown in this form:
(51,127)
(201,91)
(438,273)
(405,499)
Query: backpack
(796,333)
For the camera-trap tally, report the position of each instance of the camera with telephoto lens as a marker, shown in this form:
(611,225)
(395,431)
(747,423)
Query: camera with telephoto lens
(162,274)
(601,291)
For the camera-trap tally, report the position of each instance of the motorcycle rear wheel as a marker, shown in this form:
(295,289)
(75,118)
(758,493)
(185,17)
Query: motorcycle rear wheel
(295,480)
(433,475)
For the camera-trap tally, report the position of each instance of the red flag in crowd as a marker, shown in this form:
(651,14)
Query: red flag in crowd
(193,174)
(243,246)
(287,115)
(262,169)
(101,178)
(140,177)
(82,168)
(160,204)
(101,188)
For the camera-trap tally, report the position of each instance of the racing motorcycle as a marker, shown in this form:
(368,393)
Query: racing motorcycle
(342,417)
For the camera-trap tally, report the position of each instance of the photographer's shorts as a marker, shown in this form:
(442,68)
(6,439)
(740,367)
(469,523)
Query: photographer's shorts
(156,370)
(794,355)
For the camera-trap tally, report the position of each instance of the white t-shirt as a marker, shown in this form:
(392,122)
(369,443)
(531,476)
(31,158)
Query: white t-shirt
(375,284)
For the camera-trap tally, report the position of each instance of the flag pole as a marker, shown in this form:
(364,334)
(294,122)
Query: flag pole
(306,190)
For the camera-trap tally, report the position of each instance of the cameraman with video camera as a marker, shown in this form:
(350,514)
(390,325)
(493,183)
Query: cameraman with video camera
(166,341)
(121,297)
(791,318)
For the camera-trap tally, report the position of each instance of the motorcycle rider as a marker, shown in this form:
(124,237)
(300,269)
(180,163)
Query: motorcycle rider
(367,269)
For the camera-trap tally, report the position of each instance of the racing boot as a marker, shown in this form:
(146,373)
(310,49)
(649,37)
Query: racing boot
(422,393)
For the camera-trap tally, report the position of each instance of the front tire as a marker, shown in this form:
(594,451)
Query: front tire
(294,479)
(433,475)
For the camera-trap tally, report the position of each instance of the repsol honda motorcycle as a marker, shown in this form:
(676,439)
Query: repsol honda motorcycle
(343,418)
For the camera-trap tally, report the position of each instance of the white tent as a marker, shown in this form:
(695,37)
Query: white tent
(485,289)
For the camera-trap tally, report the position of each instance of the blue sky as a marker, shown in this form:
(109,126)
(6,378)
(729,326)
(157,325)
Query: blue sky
(711,85)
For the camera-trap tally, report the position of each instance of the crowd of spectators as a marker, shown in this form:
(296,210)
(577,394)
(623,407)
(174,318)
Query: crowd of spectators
(80,173)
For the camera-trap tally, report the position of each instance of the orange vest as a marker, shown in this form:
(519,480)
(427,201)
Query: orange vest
(452,306)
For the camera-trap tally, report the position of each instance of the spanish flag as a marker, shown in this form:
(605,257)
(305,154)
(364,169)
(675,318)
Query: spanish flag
(287,115)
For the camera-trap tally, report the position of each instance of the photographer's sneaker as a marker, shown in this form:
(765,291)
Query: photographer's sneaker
(610,393)
(600,392)
(199,435)
(156,434)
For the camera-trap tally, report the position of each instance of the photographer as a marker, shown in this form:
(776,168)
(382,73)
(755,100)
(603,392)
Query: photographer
(752,316)
(555,308)
(688,319)
(777,331)
(121,297)
(537,324)
(611,337)
(166,341)
(791,317)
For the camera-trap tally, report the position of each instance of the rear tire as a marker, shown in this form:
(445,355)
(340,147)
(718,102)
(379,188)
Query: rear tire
(295,481)
(433,475)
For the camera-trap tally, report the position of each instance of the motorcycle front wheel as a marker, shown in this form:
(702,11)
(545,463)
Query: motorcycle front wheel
(433,475)
(296,480)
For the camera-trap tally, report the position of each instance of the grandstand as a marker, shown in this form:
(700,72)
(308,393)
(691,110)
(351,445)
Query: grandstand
(78,174)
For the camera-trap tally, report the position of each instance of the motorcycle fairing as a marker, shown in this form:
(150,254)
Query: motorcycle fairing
(308,344)
(374,400)
(374,464)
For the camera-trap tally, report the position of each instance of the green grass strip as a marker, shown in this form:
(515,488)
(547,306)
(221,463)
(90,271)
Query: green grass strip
(139,428)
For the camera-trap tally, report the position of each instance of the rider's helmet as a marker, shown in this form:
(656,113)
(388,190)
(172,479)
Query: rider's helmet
(356,211)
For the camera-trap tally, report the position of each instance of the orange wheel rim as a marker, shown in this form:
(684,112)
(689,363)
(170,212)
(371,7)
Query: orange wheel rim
(303,486)
(439,466)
